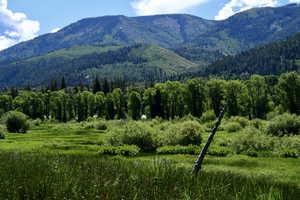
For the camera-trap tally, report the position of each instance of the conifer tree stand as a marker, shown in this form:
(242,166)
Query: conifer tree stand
(199,161)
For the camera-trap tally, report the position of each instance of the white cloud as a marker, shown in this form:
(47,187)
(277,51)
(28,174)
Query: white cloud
(15,27)
(55,30)
(235,6)
(294,1)
(153,7)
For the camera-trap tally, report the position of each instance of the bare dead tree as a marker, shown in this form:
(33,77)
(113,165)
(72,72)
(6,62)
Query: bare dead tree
(199,161)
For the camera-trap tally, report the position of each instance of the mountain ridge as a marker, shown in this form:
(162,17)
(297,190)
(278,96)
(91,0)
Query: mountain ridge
(186,38)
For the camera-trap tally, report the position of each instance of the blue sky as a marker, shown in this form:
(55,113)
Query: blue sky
(21,20)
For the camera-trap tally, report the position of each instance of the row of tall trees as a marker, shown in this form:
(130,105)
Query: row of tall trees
(253,98)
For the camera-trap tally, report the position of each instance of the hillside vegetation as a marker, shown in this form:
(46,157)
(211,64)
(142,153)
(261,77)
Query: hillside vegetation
(272,59)
(83,63)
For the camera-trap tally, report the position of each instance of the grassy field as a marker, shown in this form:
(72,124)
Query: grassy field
(62,161)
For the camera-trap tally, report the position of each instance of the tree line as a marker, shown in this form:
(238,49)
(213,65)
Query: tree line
(253,98)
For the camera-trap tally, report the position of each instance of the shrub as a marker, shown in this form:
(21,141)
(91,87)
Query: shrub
(290,142)
(134,133)
(288,154)
(218,151)
(126,150)
(252,139)
(257,123)
(36,122)
(101,125)
(286,124)
(191,149)
(208,116)
(16,122)
(232,127)
(184,134)
(241,120)
(88,125)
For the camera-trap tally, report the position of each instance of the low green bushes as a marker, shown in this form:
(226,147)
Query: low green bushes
(16,122)
(241,120)
(184,134)
(126,150)
(208,116)
(232,127)
(36,122)
(286,124)
(134,133)
(252,139)
(148,136)
(100,125)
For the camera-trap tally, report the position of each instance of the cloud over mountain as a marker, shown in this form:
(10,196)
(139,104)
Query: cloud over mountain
(235,6)
(15,27)
(152,7)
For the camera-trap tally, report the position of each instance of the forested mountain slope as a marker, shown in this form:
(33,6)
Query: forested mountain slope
(244,31)
(83,63)
(275,58)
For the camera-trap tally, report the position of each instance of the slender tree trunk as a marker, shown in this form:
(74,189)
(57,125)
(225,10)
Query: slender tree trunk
(198,163)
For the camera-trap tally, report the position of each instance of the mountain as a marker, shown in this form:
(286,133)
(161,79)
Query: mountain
(103,46)
(244,31)
(84,63)
(161,30)
(271,59)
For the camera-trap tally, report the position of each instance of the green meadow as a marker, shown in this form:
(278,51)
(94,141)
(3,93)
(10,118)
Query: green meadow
(64,161)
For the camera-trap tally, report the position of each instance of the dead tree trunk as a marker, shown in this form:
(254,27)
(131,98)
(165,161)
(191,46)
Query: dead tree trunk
(198,163)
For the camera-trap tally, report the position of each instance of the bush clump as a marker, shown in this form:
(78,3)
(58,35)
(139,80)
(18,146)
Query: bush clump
(134,133)
(126,150)
(252,139)
(232,127)
(16,122)
(101,126)
(241,120)
(191,149)
(208,116)
(285,124)
(257,123)
(184,134)
(36,122)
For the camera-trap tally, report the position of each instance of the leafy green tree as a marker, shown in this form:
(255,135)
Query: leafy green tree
(196,96)
(110,108)
(119,103)
(134,105)
(216,94)
(5,103)
(289,87)
(236,95)
(96,86)
(257,96)
(16,122)
(100,104)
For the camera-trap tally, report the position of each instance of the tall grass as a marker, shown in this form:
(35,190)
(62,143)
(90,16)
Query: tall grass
(39,176)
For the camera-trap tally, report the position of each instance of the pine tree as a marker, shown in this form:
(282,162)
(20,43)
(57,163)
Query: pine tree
(96,86)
